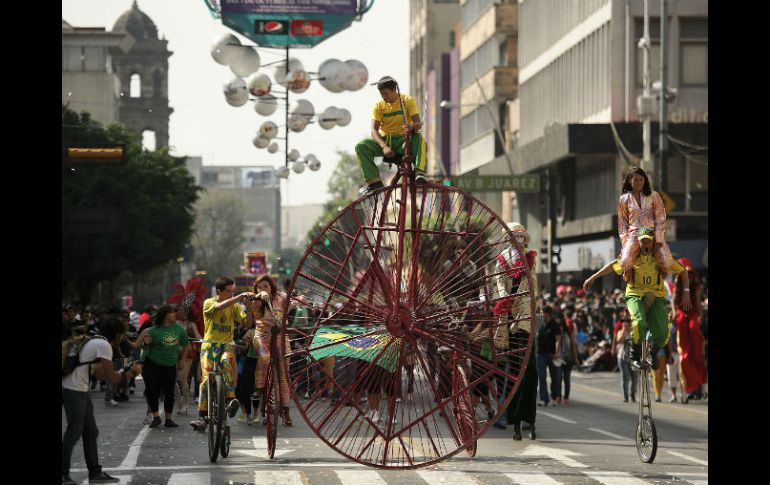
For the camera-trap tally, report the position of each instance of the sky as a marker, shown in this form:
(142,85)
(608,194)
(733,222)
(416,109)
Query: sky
(203,124)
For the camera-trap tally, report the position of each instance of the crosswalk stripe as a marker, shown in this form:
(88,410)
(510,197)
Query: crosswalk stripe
(612,435)
(190,479)
(615,478)
(447,478)
(124,479)
(558,418)
(688,457)
(533,478)
(693,478)
(359,477)
(279,478)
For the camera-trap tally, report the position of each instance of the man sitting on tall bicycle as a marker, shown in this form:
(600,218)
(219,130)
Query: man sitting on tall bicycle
(645,297)
(219,317)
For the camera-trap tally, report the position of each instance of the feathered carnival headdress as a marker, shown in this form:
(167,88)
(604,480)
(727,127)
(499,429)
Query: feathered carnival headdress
(190,297)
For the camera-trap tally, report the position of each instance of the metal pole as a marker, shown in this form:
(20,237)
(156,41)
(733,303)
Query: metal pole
(663,143)
(552,223)
(646,157)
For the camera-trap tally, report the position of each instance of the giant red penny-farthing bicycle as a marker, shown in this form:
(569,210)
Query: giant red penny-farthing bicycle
(405,371)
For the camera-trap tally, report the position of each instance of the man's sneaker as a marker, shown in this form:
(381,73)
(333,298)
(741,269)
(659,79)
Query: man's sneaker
(419,178)
(199,423)
(155,422)
(102,477)
(657,399)
(111,403)
(66,480)
(249,420)
(371,188)
(170,424)
(673,399)
(232,408)
(242,418)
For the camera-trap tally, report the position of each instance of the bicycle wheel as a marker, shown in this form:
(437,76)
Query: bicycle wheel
(403,273)
(224,448)
(271,408)
(646,439)
(213,405)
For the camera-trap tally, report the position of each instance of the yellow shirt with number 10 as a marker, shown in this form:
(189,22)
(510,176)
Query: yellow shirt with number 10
(646,276)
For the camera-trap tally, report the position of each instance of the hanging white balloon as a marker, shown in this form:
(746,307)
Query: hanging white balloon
(246,62)
(298,81)
(235,92)
(298,166)
(304,108)
(266,105)
(343,117)
(224,48)
(327,75)
(268,130)
(314,165)
(259,84)
(310,157)
(282,172)
(341,74)
(297,122)
(293,154)
(328,118)
(273,147)
(279,72)
(260,141)
(358,75)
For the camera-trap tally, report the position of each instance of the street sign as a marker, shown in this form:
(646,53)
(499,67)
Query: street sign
(498,183)
(294,23)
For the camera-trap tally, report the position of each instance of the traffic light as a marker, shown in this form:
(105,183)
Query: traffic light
(94,155)
(327,242)
(544,254)
(447,182)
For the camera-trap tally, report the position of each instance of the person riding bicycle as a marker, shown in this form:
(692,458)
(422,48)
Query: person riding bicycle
(645,296)
(388,133)
(219,317)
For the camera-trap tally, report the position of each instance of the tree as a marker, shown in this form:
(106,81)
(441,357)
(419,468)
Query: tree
(347,177)
(219,228)
(153,193)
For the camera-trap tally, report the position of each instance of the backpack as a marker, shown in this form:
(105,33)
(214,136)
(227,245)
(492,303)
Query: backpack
(566,346)
(70,353)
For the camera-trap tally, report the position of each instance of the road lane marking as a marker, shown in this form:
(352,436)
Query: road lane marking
(615,478)
(693,478)
(190,479)
(133,452)
(615,394)
(447,478)
(533,478)
(558,418)
(613,435)
(359,477)
(124,479)
(279,478)
(688,457)
(557,454)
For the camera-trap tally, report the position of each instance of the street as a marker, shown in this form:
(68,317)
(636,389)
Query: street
(590,441)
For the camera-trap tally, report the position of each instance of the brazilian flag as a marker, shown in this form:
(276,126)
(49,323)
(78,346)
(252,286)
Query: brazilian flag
(365,348)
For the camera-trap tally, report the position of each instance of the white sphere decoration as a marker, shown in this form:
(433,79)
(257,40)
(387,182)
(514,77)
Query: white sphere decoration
(246,62)
(293,154)
(297,122)
(273,147)
(314,164)
(341,74)
(235,92)
(298,166)
(343,117)
(238,99)
(268,130)
(328,118)
(310,157)
(327,74)
(266,105)
(298,81)
(358,75)
(259,84)
(224,48)
(260,141)
(279,72)
(304,108)
(282,172)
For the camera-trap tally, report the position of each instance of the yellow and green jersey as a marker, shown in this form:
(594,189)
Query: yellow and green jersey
(646,276)
(391,115)
(219,325)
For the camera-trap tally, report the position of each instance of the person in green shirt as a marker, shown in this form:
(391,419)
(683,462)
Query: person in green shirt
(645,296)
(162,357)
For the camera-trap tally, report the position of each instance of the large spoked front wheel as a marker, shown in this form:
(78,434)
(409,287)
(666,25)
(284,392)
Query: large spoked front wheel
(216,399)
(407,278)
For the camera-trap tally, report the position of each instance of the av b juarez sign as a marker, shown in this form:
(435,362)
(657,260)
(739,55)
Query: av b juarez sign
(294,23)
(498,183)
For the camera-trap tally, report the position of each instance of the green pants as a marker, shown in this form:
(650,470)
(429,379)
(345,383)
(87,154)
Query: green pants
(368,148)
(653,319)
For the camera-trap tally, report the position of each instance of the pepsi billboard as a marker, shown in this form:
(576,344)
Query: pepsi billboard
(293,23)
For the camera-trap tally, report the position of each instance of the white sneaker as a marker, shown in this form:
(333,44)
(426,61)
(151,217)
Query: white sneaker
(111,403)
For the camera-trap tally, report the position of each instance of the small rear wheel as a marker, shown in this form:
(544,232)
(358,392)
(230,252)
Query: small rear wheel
(225,446)
(213,417)
(646,439)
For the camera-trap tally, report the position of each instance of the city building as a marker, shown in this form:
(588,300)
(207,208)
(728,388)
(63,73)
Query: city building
(296,221)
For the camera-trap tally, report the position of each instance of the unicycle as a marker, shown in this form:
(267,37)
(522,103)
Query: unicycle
(646,436)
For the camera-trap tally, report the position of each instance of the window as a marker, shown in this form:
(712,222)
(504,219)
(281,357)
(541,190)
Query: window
(693,51)
(136,86)
(71,59)
(654,50)
(94,59)
(148,140)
